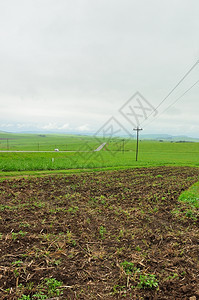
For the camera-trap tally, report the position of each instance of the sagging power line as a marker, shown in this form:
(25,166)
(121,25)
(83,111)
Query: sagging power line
(173,89)
(173,103)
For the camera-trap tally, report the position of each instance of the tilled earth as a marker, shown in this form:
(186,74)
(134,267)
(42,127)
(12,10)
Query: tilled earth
(104,235)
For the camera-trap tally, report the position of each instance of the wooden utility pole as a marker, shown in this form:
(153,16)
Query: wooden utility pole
(137,129)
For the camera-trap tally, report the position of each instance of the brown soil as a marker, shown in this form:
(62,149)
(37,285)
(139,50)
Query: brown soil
(80,229)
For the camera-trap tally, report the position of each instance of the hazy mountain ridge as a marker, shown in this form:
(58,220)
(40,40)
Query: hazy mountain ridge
(153,137)
(167,137)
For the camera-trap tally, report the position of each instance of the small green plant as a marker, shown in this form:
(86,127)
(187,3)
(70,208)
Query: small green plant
(39,204)
(70,240)
(22,233)
(50,287)
(121,234)
(39,296)
(190,214)
(73,209)
(102,231)
(102,199)
(30,285)
(94,200)
(15,235)
(120,250)
(24,297)
(17,263)
(174,276)
(16,272)
(56,262)
(73,243)
(137,248)
(183,273)
(3,207)
(117,289)
(53,286)
(128,267)
(24,224)
(148,281)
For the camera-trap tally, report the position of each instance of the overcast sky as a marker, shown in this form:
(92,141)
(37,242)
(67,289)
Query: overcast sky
(70,65)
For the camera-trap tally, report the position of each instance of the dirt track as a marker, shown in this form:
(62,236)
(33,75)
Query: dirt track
(81,229)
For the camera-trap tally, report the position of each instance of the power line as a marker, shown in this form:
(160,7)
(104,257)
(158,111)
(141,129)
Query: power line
(173,89)
(173,103)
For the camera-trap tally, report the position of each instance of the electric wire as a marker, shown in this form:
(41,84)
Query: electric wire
(173,103)
(173,89)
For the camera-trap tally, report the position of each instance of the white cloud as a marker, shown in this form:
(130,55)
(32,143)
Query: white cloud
(6,125)
(64,126)
(54,126)
(23,125)
(84,127)
(49,126)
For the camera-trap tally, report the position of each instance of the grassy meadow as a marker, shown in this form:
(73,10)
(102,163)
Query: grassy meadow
(42,142)
(118,153)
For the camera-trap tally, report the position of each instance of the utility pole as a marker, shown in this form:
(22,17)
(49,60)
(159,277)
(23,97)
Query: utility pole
(123,146)
(137,129)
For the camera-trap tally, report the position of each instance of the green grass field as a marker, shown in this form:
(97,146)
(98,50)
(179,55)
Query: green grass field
(119,153)
(42,142)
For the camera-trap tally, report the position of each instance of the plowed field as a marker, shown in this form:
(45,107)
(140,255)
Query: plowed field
(104,235)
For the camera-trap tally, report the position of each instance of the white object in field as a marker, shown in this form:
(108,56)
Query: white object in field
(56,150)
(100,147)
(53,159)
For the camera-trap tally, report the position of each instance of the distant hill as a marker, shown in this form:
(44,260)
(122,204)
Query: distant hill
(167,137)
(152,137)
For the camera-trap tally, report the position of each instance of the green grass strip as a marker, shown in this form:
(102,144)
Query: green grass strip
(38,173)
(191,196)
